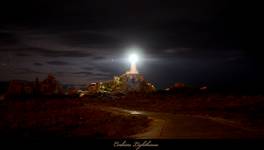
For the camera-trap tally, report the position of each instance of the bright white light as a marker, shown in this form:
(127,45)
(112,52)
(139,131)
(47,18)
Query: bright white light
(133,58)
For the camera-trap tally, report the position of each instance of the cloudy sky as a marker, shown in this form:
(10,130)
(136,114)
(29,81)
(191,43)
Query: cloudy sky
(201,42)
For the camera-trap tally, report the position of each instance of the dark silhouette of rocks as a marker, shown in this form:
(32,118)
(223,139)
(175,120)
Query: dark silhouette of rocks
(48,87)
(20,88)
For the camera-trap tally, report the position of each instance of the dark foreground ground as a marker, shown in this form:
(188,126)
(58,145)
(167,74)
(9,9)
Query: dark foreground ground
(244,111)
(64,118)
(172,116)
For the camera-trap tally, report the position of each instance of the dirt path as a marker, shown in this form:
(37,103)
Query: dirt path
(172,126)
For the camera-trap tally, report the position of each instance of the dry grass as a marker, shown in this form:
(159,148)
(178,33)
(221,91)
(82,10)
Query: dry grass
(64,118)
(248,111)
(75,118)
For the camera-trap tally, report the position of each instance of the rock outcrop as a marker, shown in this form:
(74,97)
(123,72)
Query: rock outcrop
(47,87)
(124,83)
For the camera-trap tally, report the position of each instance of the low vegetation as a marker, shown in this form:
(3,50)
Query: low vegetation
(43,118)
(247,111)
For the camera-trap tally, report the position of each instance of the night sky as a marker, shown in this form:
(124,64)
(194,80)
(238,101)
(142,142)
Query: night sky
(198,42)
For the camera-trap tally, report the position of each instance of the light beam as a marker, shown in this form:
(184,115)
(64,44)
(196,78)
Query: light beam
(133,59)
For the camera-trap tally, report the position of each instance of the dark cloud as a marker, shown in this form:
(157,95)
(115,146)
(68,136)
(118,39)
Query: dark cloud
(99,57)
(152,23)
(103,74)
(189,41)
(37,64)
(50,53)
(45,52)
(201,53)
(111,68)
(92,73)
(23,54)
(27,71)
(91,39)
(88,68)
(58,63)
(7,38)
(87,73)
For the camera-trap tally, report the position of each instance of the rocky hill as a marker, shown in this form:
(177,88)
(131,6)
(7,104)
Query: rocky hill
(124,83)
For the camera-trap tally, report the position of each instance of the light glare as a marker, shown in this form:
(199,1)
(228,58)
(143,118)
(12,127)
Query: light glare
(133,58)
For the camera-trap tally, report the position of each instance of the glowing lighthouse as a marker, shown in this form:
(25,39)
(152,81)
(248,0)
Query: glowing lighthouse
(133,58)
